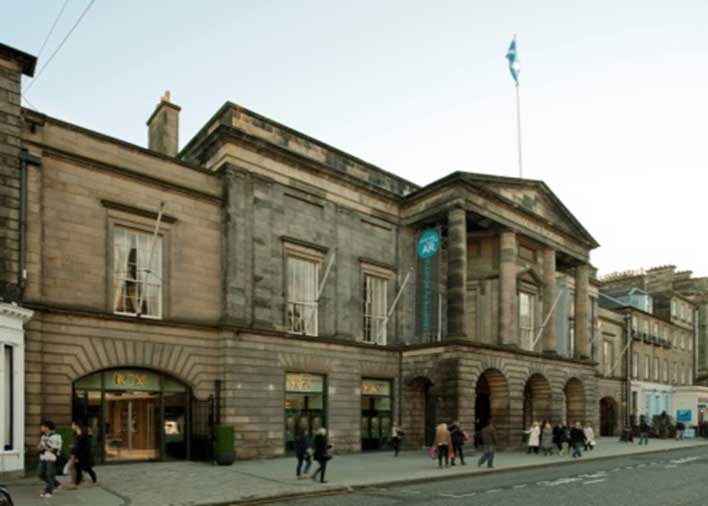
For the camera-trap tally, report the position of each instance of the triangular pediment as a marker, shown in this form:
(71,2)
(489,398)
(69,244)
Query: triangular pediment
(533,197)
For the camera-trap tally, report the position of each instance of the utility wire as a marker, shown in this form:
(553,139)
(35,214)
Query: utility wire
(51,30)
(29,103)
(61,44)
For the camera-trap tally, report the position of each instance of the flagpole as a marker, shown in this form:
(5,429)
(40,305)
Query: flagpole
(518,128)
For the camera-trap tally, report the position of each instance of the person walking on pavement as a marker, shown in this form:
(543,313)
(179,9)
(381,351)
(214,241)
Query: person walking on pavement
(49,449)
(488,438)
(321,454)
(680,428)
(302,452)
(643,431)
(565,439)
(577,440)
(558,437)
(457,436)
(589,437)
(396,435)
(442,444)
(80,455)
(547,438)
(534,441)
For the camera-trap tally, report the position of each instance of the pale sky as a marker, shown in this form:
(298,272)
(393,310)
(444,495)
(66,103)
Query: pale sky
(613,92)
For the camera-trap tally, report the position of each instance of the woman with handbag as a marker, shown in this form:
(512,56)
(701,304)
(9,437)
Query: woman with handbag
(321,454)
(443,444)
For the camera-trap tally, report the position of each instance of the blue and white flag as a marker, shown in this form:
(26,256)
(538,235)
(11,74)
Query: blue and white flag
(514,63)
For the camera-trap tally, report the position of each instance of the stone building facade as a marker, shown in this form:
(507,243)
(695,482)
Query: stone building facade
(295,285)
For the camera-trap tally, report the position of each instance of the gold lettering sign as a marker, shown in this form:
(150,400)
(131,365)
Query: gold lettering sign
(374,387)
(129,379)
(304,383)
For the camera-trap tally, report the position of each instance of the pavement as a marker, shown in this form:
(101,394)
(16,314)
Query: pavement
(675,478)
(199,484)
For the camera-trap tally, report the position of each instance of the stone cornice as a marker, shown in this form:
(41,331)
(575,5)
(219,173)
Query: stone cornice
(15,312)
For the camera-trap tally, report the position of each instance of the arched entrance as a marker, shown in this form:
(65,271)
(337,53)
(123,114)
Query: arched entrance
(608,416)
(574,401)
(537,400)
(419,412)
(134,414)
(492,402)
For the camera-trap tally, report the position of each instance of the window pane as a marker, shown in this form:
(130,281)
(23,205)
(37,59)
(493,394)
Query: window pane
(137,272)
(302,295)
(375,308)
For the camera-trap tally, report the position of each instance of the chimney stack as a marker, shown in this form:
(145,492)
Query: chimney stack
(163,127)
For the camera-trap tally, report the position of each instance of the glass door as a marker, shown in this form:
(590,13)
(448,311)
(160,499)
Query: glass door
(131,426)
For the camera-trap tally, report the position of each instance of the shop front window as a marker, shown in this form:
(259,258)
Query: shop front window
(133,414)
(305,406)
(376,413)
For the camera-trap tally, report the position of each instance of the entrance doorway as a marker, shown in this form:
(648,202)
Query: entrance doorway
(492,403)
(574,401)
(134,415)
(537,400)
(376,414)
(608,416)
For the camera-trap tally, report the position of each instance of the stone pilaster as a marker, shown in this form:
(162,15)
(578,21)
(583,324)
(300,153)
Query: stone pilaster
(549,298)
(582,311)
(508,251)
(457,273)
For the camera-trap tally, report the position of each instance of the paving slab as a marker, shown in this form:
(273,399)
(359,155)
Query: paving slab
(199,484)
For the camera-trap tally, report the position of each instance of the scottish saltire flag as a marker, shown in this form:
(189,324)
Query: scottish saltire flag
(514,63)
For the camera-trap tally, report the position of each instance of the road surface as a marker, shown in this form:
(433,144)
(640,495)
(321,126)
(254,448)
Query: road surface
(676,478)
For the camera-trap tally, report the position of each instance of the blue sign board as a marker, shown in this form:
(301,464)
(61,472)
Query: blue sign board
(683,415)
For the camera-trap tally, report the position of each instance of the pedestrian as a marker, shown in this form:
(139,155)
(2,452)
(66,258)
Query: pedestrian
(488,438)
(81,457)
(565,439)
(680,427)
(643,431)
(558,437)
(321,454)
(547,439)
(49,449)
(442,444)
(534,441)
(396,435)
(577,439)
(589,437)
(457,436)
(302,452)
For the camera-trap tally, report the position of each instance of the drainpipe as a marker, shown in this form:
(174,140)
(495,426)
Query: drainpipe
(628,373)
(696,331)
(25,159)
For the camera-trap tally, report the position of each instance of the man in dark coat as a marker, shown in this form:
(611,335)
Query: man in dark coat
(81,453)
(458,440)
(302,452)
(577,439)
(321,454)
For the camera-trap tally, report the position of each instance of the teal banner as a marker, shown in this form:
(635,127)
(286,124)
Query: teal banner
(428,248)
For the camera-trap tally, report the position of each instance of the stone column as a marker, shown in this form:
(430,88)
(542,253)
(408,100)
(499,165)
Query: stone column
(507,287)
(582,311)
(549,298)
(456,273)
